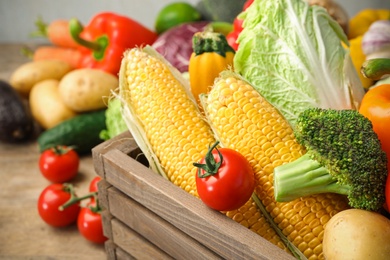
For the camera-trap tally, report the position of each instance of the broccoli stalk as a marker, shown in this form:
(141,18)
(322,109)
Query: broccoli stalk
(344,156)
(316,179)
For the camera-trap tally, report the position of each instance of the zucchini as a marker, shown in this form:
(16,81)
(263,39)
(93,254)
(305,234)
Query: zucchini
(81,132)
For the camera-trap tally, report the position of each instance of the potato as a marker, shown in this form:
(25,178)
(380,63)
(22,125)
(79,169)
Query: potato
(87,89)
(30,73)
(46,104)
(357,234)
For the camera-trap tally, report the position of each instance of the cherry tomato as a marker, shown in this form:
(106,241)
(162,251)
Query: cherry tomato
(93,185)
(50,199)
(224,186)
(89,224)
(59,164)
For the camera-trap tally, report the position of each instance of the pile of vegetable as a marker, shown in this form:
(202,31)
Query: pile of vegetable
(62,98)
(289,91)
(59,206)
(369,37)
(290,104)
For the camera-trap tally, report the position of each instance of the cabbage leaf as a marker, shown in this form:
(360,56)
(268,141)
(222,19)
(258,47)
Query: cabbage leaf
(293,55)
(115,124)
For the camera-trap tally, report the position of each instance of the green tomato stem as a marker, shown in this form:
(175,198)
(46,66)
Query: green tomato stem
(96,208)
(73,197)
(210,167)
(61,149)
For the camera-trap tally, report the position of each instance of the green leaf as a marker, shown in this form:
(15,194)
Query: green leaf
(293,55)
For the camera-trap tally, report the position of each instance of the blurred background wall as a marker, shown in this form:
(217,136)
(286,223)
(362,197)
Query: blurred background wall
(17,16)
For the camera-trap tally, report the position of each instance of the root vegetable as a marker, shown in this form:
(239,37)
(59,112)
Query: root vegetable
(57,32)
(69,55)
(30,73)
(46,105)
(357,234)
(87,89)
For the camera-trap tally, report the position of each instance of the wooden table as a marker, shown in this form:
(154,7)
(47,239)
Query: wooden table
(23,235)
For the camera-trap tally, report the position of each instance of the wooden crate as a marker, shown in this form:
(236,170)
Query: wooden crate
(146,216)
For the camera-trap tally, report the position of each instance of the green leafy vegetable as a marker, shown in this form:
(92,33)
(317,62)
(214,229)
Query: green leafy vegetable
(293,55)
(114,122)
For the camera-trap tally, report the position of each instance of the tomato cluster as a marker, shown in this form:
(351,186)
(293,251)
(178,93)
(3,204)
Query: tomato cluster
(58,205)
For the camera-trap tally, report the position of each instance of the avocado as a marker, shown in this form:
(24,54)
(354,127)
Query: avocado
(16,122)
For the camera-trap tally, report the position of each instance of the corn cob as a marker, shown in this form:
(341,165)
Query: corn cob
(243,120)
(175,129)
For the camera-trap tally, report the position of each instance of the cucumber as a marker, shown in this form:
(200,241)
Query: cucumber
(81,131)
(376,68)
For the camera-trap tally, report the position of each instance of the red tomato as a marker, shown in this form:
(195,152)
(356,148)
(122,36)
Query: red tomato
(50,199)
(232,184)
(59,164)
(90,226)
(93,185)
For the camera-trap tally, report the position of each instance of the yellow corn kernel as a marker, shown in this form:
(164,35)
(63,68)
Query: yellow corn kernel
(174,127)
(243,120)
(176,130)
(250,217)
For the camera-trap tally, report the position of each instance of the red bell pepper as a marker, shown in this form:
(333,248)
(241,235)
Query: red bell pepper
(103,41)
(237,28)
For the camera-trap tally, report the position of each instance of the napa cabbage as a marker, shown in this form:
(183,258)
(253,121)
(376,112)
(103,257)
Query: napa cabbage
(294,56)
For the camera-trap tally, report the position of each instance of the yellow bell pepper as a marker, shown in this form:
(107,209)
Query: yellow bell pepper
(360,23)
(211,55)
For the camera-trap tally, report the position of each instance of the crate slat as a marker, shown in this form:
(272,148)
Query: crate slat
(220,234)
(123,142)
(135,244)
(103,186)
(110,248)
(154,229)
(120,254)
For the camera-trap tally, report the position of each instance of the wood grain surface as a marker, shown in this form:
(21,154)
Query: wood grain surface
(167,216)
(23,235)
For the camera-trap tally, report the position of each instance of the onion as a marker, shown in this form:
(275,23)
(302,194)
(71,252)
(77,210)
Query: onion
(376,40)
(175,44)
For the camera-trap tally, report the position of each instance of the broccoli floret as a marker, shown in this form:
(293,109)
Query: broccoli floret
(344,156)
